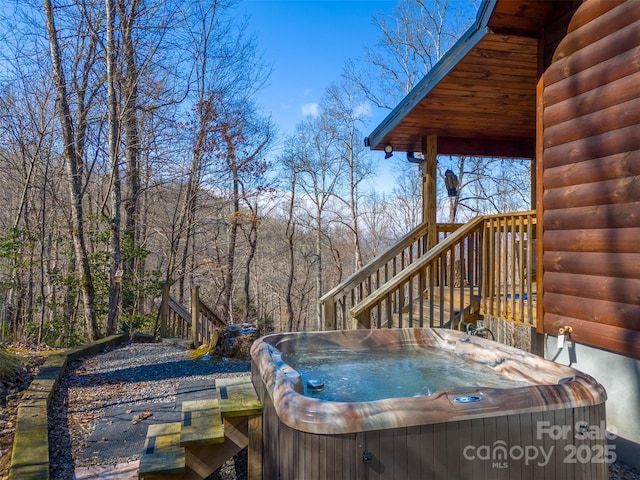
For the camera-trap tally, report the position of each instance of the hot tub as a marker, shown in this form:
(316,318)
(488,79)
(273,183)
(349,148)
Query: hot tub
(431,403)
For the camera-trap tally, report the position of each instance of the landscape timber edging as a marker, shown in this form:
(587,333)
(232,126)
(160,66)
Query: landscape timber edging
(30,452)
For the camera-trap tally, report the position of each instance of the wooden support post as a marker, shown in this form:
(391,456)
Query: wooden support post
(539,320)
(363,321)
(195,314)
(254,467)
(329,314)
(164,308)
(428,172)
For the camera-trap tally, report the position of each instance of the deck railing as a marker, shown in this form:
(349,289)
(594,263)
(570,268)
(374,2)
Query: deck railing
(337,302)
(196,325)
(484,267)
(509,267)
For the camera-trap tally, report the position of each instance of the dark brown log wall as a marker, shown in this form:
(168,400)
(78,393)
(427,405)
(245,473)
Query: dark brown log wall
(590,178)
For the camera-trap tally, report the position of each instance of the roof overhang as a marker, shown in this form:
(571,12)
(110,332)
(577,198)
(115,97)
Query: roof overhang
(480,98)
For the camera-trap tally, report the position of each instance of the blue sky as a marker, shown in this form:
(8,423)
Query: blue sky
(307,42)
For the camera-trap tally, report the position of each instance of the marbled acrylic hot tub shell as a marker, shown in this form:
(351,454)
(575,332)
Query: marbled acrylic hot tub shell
(305,437)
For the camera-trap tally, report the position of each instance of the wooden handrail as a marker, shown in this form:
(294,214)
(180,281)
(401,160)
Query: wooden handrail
(179,309)
(336,302)
(206,310)
(362,274)
(420,264)
(485,267)
(177,321)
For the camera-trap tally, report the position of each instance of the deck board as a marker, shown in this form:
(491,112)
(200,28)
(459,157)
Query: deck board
(201,423)
(162,454)
(238,397)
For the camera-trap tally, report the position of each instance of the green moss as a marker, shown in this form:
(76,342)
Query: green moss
(10,366)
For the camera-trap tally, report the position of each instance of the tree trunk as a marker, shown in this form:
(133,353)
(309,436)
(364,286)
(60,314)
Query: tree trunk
(252,238)
(290,233)
(114,221)
(233,236)
(353,207)
(77,226)
(132,145)
(319,269)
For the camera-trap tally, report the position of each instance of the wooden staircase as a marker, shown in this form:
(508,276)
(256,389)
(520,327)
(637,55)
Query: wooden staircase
(442,307)
(485,268)
(210,433)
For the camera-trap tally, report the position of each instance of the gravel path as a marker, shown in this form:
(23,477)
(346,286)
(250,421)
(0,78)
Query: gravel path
(121,392)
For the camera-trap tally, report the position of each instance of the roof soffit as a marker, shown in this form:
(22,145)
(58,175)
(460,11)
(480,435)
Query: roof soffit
(482,90)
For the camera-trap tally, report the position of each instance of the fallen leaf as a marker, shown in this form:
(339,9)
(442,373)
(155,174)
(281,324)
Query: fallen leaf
(141,416)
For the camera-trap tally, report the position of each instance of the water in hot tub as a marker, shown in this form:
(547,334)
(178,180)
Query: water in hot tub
(363,376)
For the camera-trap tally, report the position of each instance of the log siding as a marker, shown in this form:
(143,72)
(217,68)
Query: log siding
(590,178)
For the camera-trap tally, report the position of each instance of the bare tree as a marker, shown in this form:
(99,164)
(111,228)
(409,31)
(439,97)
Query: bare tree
(114,221)
(486,186)
(411,41)
(348,110)
(238,137)
(320,172)
(379,220)
(290,167)
(130,79)
(73,177)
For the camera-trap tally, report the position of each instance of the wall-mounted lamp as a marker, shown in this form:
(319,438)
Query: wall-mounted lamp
(451,182)
(388,151)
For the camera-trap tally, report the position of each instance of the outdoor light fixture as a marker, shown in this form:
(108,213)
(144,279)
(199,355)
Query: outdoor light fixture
(451,182)
(388,151)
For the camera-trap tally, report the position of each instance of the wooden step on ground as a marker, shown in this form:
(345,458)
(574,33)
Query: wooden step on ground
(238,397)
(211,432)
(163,457)
(241,412)
(201,423)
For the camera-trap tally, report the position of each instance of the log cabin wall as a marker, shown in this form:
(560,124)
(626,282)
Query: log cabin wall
(590,176)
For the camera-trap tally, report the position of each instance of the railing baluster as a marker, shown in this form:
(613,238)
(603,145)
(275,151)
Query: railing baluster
(389,310)
(521,262)
(412,296)
(491,268)
(420,292)
(461,280)
(531,266)
(512,271)
(431,291)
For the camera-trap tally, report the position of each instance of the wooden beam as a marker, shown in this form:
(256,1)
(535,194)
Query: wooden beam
(615,339)
(607,240)
(164,308)
(428,172)
(254,467)
(195,314)
(486,147)
(539,190)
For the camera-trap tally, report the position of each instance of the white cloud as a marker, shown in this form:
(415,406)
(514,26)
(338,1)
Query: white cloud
(362,110)
(310,109)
